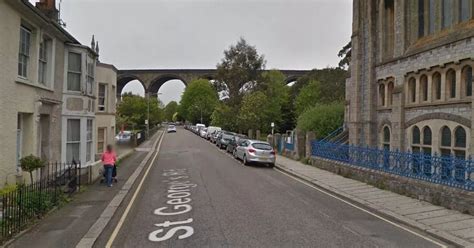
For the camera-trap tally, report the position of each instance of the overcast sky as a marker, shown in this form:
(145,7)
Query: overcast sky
(292,34)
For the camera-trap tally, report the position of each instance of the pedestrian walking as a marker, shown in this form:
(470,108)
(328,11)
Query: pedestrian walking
(109,158)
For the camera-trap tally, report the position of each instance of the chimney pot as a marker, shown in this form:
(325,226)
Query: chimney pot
(48,7)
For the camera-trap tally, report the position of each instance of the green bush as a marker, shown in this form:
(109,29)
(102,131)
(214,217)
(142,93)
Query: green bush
(322,119)
(31,163)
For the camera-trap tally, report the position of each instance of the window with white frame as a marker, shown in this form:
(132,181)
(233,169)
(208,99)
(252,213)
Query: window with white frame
(74,71)
(44,61)
(73,140)
(24,51)
(102,97)
(89,140)
(90,77)
(101,132)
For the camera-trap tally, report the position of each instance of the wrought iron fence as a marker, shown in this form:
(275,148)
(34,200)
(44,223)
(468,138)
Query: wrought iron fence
(26,202)
(446,170)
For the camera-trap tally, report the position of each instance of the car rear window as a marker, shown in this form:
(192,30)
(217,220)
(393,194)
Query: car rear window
(262,146)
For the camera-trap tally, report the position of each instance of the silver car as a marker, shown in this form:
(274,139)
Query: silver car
(255,151)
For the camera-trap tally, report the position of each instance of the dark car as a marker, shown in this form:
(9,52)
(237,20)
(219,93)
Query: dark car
(234,142)
(223,139)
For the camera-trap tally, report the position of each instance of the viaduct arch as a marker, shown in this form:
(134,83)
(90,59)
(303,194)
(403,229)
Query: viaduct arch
(153,79)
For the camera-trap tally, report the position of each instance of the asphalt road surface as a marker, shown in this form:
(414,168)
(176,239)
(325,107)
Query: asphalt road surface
(197,196)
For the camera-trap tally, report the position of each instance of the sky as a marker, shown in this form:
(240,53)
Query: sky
(157,34)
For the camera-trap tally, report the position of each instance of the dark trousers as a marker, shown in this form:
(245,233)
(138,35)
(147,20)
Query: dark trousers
(108,173)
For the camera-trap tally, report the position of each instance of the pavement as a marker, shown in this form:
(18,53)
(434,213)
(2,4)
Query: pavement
(66,226)
(443,223)
(194,195)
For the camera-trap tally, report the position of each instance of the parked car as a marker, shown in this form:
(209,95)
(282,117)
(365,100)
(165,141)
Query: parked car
(255,151)
(123,137)
(215,135)
(234,142)
(171,129)
(210,131)
(223,139)
(203,132)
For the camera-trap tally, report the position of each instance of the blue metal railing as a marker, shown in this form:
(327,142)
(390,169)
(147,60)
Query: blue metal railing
(450,171)
(289,146)
(333,134)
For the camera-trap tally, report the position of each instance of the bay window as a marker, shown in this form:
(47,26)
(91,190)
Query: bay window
(74,71)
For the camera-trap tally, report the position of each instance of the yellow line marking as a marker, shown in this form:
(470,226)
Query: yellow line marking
(129,206)
(364,210)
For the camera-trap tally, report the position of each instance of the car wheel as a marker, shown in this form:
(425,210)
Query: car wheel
(244,160)
(234,154)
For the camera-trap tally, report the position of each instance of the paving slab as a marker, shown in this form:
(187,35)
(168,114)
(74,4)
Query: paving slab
(457,225)
(431,214)
(443,219)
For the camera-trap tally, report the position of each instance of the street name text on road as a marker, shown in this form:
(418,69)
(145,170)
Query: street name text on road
(179,192)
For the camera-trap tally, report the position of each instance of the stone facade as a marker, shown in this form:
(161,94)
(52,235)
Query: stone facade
(32,85)
(411,71)
(106,78)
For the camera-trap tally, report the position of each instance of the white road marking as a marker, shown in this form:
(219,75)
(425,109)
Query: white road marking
(129,206)
(364,210)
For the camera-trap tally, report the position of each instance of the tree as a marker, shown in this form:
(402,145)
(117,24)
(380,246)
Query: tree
(170,109)
(31,163)
(308,97)
(278,99)
(322,119)
(333,82)
(239,71)
(198,101)
(223,116)
(345,55)
(253,113)
(133,110)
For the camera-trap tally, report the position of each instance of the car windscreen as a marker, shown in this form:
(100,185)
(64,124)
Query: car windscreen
(227,136)
(262,146)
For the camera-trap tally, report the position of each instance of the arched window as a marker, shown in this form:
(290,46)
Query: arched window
(467,80)
(424,88)
(460,144)
(386,138)
(451,83)
(436,82)
(445,141)
(460,137)
(427,136)
(432,16)
(382,95)
(390,92)
(426,141)
(415,139)
(447,13)
(464,10)
(421,18)
(412,90)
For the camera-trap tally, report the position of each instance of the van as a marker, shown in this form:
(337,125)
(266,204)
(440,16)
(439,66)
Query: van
(211,130)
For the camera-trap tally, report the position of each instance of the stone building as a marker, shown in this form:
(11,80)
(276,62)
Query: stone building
(78,108)
(32,58)
(411,76)
(106,78)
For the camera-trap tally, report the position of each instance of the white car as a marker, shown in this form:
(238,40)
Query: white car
(203,132)
(123,137)
(255,151)
(211,131)
(171,129)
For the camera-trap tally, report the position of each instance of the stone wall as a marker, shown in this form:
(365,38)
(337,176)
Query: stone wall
(440,195)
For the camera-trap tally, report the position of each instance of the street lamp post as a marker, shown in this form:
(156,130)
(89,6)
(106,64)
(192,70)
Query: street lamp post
(148,112)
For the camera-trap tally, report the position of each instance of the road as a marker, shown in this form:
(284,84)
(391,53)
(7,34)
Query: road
(208,199)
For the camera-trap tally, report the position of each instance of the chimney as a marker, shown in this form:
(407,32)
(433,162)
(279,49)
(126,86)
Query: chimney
(48,7)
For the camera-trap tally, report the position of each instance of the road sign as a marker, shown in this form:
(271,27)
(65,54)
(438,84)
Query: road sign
(273,124)
(146,122)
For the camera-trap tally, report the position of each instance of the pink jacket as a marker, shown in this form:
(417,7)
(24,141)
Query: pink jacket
(109,158)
